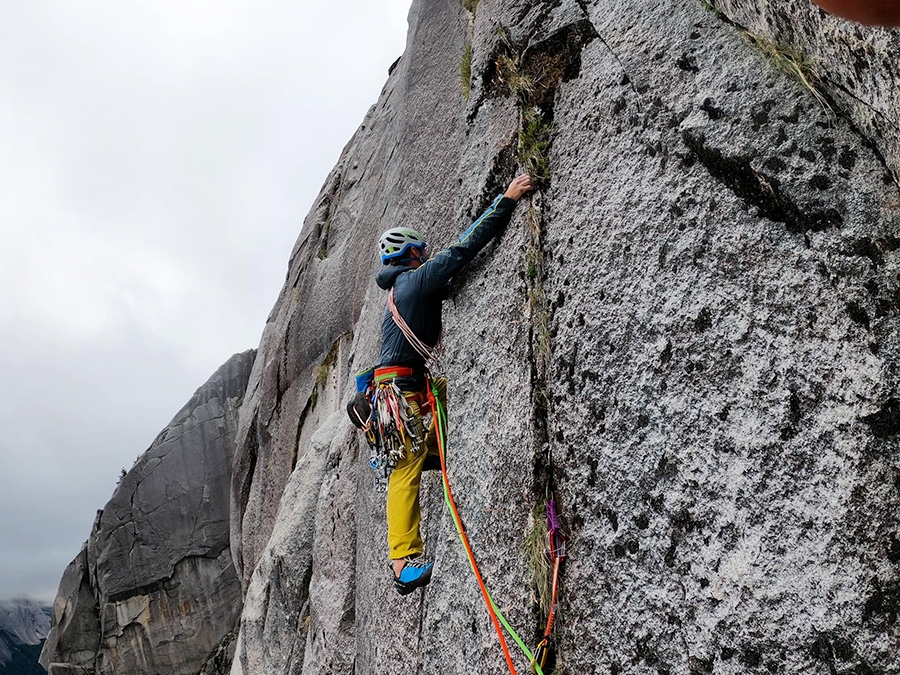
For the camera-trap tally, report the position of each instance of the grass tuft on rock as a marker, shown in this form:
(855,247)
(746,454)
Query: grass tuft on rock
(534,145)
(534,549)
(520,83)
(792,62)
(465,72)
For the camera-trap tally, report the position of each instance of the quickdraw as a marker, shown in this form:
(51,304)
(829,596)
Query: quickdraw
(382,412)
(556,552)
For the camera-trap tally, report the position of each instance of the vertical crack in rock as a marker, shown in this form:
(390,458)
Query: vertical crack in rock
(250,458)
(295,449)
(629,80)
(533,74)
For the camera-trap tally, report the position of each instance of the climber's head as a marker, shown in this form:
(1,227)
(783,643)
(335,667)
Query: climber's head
(401,246)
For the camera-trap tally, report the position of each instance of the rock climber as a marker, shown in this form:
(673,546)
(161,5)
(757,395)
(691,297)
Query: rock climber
(420,284)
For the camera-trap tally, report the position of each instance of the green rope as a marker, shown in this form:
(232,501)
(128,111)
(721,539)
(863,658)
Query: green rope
(441,421)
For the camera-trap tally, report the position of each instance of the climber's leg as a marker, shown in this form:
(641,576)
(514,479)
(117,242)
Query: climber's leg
(403,513)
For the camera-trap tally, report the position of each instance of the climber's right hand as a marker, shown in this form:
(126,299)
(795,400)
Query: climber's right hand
(519,186)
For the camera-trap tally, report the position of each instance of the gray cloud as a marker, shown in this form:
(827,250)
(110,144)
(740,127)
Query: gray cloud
(156,162)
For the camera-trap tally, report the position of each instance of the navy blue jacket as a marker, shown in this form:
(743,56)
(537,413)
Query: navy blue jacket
(419,292)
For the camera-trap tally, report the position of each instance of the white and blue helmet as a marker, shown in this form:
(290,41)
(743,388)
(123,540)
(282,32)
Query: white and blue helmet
(396,242)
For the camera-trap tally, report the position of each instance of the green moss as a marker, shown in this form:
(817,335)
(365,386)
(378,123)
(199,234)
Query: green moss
(708,6)
(465,72)
(534,145)
(470,5)
(323,243)
(322,375)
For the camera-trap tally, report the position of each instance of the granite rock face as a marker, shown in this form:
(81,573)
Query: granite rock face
(692,325)
(852,67)
(154,589)
(695,316)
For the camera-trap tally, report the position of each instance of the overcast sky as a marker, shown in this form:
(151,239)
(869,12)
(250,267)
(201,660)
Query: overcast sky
(157,158)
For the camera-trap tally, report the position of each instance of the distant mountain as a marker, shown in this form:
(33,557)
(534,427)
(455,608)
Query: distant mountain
(24,625)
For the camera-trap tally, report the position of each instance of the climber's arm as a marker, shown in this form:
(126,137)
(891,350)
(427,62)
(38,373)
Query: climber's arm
(434,274)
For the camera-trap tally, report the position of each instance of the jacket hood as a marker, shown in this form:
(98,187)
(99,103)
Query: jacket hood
(388,275)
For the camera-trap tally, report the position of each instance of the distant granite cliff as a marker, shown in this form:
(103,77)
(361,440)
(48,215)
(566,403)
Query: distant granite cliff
(154,589)
(696,316)
(24,625)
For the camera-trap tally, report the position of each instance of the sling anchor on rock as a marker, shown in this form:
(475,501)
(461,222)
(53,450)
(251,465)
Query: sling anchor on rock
(556,552)
(497,617)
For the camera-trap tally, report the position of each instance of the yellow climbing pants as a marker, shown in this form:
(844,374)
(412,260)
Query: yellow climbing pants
(403,512)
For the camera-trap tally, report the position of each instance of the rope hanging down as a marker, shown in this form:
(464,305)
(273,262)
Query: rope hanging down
(556,538)
(496,615)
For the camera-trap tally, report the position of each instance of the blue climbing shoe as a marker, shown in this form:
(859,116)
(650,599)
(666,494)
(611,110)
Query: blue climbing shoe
(415,574)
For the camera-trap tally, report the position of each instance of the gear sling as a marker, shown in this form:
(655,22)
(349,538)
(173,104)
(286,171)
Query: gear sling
(392,429)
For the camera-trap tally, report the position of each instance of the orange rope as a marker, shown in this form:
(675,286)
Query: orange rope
(462,532)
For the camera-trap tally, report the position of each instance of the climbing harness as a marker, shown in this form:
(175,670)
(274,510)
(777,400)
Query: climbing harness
(383,413)
(390,421)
